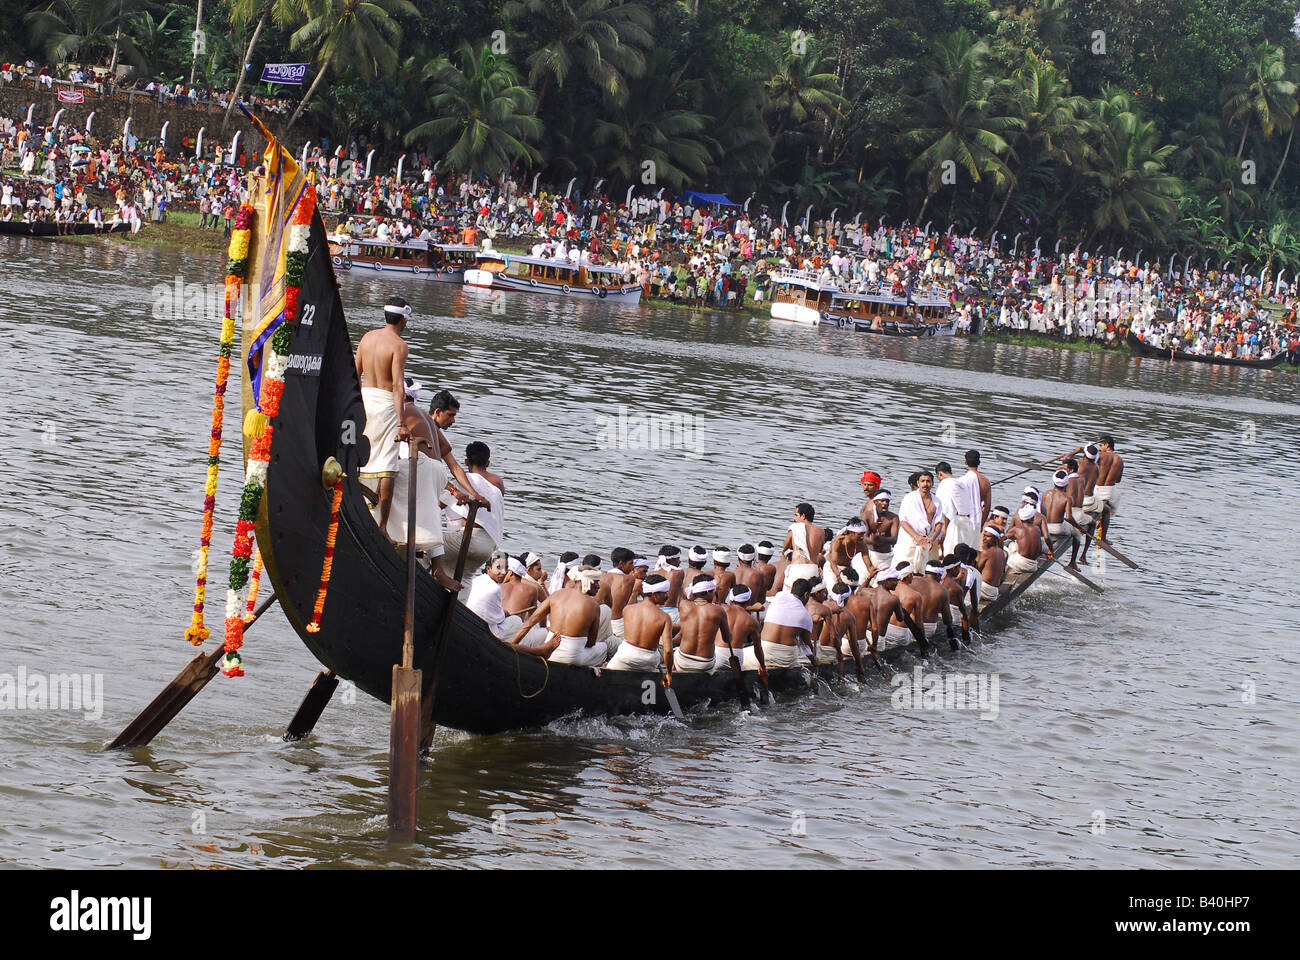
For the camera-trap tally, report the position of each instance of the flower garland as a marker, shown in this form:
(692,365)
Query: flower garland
(196,633)
(254,583)
(327,564)
(259,430)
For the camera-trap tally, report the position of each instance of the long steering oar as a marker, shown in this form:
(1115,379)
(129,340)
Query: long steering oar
(1029,469)
(183,688)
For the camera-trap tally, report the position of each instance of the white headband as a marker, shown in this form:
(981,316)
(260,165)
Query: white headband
(721,556)
(854,526)
(993,530)
(934,568)
(517,568)
(1026,512)
(699,555)
(402,311)
(588,577)
(660,587)
(745,554)
(740,593)
(640,562)
(883,575)
(1061,478)
(882,495)
(1091,451)
(766,551)
(704,586)
(531,559)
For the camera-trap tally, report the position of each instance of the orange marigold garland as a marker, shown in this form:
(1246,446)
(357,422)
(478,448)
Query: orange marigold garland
(197,632)
(327,564)
(261,433)
(254,582)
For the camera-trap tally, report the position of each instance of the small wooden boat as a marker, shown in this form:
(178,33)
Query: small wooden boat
(800,297)
(429,261)
(890,314)
(20,228)
(551,275)
(1143,349)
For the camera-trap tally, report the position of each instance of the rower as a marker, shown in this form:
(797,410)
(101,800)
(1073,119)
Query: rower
(560,576)
(1088,473)
(936,607)
(485,600)
(1023,543)
(1074,486)
(640,569)
(520,595)
(842,632)
(763,562)
(381,368)
(912,600)
(573,622)
(751,576)
(963,598)
(823,623)
(617,589)
(536,575)
(803,542)
(725,578)
(999,518)
(490,489)
(846,545)
(669,564)
(702,620)
(992,563)
(883,616)
(744,628)
(647,631)
(695,561)
(968,558)
(920,525)
(1110,467)
(1056,512)
(786,625)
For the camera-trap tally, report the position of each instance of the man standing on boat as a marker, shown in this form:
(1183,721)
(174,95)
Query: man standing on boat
(920,525)
(1110,467)
(381,367)
(982,486)
(960,499)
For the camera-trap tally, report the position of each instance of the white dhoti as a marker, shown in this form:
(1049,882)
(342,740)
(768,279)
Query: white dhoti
(825,654)
(961,530)
(1017,565)
(880,561)
(430,478)
(605,632)
(954,611)
(798,571)
(533,638)
(1107,498)
(1081,519)
(932,629)
(631,657)
(481,546)
(618,630)
(846,646)
(686,662)
(988,593)
(832,573)
(722,658)
(896,635)
(777,655)
(574,650)
(907,550)
(381,431)
(1090,505)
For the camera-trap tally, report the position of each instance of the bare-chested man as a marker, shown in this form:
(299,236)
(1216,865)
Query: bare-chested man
(618,588)
(985,488)
(881,537)
(1110,468)
(744,628)
(520,594)
(803,543)
(381,368)
(992,563)
(702,620)
(870,487)
(763,561)
(647,631)
(573,619)
(726,578)
(669,564)
(1060,523)
(883,617)
(936,607)
(750,575)
(963,597)
(823,622)
(841,550)
(843,633)
(1023,543)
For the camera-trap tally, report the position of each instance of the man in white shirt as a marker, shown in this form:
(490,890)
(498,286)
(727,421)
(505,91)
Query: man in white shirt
(961,503)
(484,600)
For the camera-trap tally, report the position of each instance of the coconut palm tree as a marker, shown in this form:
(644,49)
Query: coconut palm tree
(361,35)
(485,120)
(1135,189)
(87,29)
(1265,93)
(799,90)
(286,14)
(961,119)
(605,41)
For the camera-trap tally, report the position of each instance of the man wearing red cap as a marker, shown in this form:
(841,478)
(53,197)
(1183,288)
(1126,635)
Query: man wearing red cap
(870,487)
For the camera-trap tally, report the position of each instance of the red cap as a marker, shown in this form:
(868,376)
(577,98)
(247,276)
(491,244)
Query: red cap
(868,476)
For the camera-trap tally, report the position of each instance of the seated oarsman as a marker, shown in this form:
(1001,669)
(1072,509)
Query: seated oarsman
(725,578)
(999,519)
(485,599)
(823,622)
(936,608)
(911,597)
(490,488)
(992,563)
(842,634)
(841,550)
(963,597)
(763,561)
(967,558)
(786,625)
(702,620)
(920,525)
(647,631)
(640,568)
(381,368)
(669,564)
(618,588)
(573,621)
(1057,514)
(1033,498)
(751,576)
(881,538)
(803,544)
(560,575)
(744,628)
(1023,543)
(519,595)
(536,573)
(873,606)
(695,561)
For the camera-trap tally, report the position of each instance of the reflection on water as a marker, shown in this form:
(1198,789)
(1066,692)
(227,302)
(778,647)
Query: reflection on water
(1167,704)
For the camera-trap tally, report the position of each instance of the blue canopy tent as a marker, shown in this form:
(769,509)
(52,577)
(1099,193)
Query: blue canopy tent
(697,199)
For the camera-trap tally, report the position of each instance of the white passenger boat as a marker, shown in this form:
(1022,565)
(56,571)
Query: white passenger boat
(430,261)
(551,275)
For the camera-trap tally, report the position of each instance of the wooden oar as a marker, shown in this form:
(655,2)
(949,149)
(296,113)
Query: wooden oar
(184,687)
(1029,469)
(1109,548)
(1077,575)
(740,679)
(427,726)
(671,695)
(312,706)
(404,701)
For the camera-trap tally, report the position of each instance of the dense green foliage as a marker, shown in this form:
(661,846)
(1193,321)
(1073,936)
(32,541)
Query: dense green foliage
(1159,123)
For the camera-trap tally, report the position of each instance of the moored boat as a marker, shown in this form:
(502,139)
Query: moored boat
(551,275)
(899,316)
(430,261)
(1144,349)
(21,228)
(800,298)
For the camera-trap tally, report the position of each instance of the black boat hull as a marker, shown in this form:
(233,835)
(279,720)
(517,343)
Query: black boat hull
(18,228)
(1147,350)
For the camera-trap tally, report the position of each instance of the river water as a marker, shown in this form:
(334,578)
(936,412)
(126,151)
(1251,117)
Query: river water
(1155,725)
